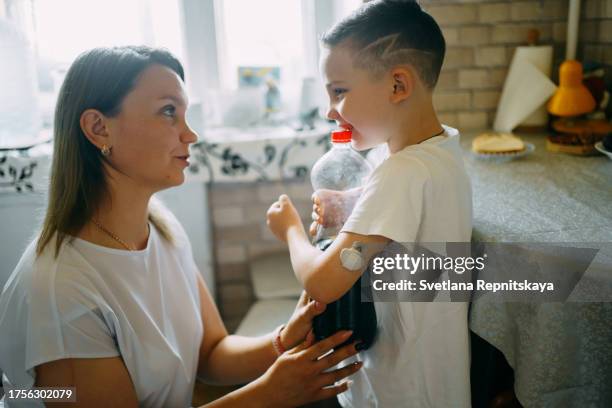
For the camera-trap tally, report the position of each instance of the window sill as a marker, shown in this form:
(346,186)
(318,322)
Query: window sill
(257,154)
(224,155)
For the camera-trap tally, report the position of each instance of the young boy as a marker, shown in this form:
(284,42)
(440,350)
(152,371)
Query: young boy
(381,65)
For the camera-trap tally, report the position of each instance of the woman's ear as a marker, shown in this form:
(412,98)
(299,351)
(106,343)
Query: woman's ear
(94,126)
(403,84)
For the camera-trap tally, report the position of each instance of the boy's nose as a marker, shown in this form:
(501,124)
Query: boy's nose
(332,114)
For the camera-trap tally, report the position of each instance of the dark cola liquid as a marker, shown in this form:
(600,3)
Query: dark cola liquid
(347,313)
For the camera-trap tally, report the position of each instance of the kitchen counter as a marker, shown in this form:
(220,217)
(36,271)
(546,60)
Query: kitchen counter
(546,197)
(560,352)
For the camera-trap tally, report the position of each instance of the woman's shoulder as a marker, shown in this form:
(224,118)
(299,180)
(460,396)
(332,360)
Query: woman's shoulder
(40,274)
(22,273)
(34,282)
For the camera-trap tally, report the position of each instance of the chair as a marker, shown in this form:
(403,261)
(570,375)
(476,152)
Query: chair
(276,293)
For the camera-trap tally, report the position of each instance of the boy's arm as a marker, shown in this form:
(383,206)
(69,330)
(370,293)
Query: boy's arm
(321,272)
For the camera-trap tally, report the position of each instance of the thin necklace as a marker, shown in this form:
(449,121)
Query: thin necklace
(113,236)
(431,137)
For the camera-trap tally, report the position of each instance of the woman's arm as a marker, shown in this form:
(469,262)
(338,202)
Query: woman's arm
(226,359)
(230,359)
(98,382)
(105,382)
(299,376)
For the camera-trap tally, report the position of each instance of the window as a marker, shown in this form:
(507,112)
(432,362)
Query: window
(261,33)
(65,28)
(272,33)
(211,37)
(264,33)
(346,7)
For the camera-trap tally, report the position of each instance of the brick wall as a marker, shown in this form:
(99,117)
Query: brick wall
(240,235)
(481,37)
(595,41)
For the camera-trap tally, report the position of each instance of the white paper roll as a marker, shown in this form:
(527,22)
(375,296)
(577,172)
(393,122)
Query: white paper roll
(526,89)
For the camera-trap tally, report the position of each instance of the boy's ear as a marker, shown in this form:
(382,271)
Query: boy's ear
(95,127)
(403,84)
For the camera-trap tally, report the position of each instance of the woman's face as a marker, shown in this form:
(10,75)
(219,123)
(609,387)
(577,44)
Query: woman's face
(150,136)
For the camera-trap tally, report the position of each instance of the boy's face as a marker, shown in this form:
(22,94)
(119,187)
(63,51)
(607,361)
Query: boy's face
(356,99)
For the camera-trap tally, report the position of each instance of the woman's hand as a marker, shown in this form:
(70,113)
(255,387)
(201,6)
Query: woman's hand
(300,323)
(281,216)
(299,375)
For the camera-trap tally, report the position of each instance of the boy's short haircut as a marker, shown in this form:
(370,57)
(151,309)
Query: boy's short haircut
(386,33)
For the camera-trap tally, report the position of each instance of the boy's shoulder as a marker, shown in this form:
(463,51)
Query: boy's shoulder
(440,151)
(436,163)
(448,142)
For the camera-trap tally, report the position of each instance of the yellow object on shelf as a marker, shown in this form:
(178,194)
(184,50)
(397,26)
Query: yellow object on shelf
(572,98)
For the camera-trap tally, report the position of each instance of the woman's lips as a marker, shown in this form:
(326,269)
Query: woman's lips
(183,159)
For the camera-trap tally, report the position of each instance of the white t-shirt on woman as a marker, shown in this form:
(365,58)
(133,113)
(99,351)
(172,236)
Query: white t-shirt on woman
(93,301)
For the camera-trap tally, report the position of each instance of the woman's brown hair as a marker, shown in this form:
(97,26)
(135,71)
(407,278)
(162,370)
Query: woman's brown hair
(98,79)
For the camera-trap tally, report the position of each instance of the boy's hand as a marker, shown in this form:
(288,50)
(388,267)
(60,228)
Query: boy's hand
(332,208)
(281,216)
(300,323)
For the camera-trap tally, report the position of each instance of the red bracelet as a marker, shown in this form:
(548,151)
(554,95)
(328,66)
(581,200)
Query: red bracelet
(276,340)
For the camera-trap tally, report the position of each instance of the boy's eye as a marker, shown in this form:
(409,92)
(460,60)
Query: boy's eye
(169,111)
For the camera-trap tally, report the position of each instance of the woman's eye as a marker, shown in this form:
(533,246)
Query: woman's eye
(169,111)
(339,91)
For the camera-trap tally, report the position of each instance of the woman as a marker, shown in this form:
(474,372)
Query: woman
(108,298)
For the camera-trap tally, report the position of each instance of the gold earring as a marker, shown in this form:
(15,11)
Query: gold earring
(105,150)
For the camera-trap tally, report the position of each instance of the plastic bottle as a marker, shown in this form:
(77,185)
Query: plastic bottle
(342,169)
